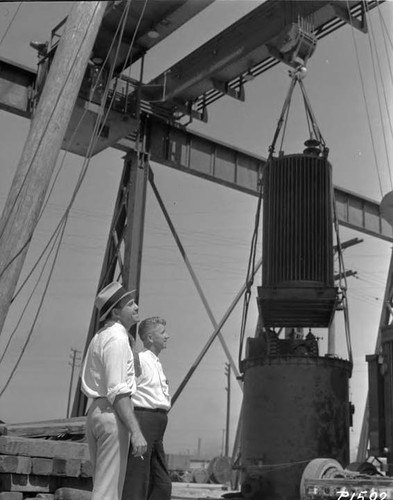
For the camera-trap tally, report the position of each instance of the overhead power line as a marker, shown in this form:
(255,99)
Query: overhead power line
(371,39)
(10,23)
(61,227)
(365,104)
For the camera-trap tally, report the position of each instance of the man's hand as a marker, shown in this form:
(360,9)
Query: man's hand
(125,410)
(138,443)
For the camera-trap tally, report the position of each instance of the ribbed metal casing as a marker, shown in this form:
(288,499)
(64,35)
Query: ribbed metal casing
(297,221)
(297,271)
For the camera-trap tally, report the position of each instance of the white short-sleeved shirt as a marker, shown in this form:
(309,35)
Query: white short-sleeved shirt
(152,389)
(108,368)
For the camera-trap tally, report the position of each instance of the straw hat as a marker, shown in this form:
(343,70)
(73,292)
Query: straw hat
(109,296)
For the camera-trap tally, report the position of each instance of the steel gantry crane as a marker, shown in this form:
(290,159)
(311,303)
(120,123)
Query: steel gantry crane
(149,121)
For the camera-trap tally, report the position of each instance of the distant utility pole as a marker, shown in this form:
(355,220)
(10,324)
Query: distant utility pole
(199,447)
(75,358)
(222,442)
(228,389)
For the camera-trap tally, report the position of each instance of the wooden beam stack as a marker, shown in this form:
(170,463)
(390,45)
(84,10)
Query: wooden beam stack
(49,469)
(58,467)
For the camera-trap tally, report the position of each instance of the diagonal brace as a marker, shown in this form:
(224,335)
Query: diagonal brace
(213,336)
(193,276)
(344,13)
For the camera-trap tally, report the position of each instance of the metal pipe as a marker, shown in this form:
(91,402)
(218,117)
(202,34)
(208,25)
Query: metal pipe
(213,336)
(331,349)
(193,276)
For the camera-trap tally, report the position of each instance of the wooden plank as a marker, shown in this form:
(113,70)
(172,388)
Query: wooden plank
(7,495)
(11,445)
(72,494)
(70,467)
(80,483)
(25,483)
(18,465)
(45,428)
(186,491)
(41,466)
(86,468)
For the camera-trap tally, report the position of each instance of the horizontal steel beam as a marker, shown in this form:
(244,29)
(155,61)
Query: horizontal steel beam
(16,88)
(232,167)
(244,48)
(199,155)
(362,214)
(146,24)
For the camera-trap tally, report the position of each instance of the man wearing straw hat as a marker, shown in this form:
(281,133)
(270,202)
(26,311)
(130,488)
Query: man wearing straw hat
(108,378)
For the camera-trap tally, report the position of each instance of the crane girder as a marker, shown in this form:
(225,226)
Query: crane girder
(175,146)
(190,152)
(241,52)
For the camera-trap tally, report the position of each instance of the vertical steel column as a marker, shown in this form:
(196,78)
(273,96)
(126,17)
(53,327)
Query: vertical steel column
(139,169)
(123,255)
(331,349)
(386,319)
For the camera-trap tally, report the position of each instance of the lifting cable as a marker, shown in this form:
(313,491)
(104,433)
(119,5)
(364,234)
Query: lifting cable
(343,285)
(283,119)
(54,241)
(250,273)
(10,23)
(254,240)
(18,194)
(365,104)
(99,124)
(385,34)
(315,135)
(371,39)
(62,224)
(71,141)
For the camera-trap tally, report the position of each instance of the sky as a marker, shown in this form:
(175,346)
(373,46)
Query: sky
(214,223)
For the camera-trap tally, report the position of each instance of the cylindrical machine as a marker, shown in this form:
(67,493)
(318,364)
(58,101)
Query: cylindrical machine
(297,221)
(295,409)
(297,271)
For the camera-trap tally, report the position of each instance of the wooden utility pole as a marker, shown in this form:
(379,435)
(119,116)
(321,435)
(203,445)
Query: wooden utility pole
(228,389)
(75,358)
(43,143)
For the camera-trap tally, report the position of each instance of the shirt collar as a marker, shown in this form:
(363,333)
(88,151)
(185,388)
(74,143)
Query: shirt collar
(150,353)
(116,326)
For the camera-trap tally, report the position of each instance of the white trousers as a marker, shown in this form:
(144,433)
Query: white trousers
(108,441)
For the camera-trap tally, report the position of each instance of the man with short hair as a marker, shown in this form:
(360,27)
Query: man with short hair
(149,479)
(108,378)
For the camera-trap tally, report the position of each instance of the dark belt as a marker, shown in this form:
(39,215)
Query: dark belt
(154,410)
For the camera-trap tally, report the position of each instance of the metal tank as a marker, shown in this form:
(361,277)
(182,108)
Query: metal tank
(297,271)
(295,409)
